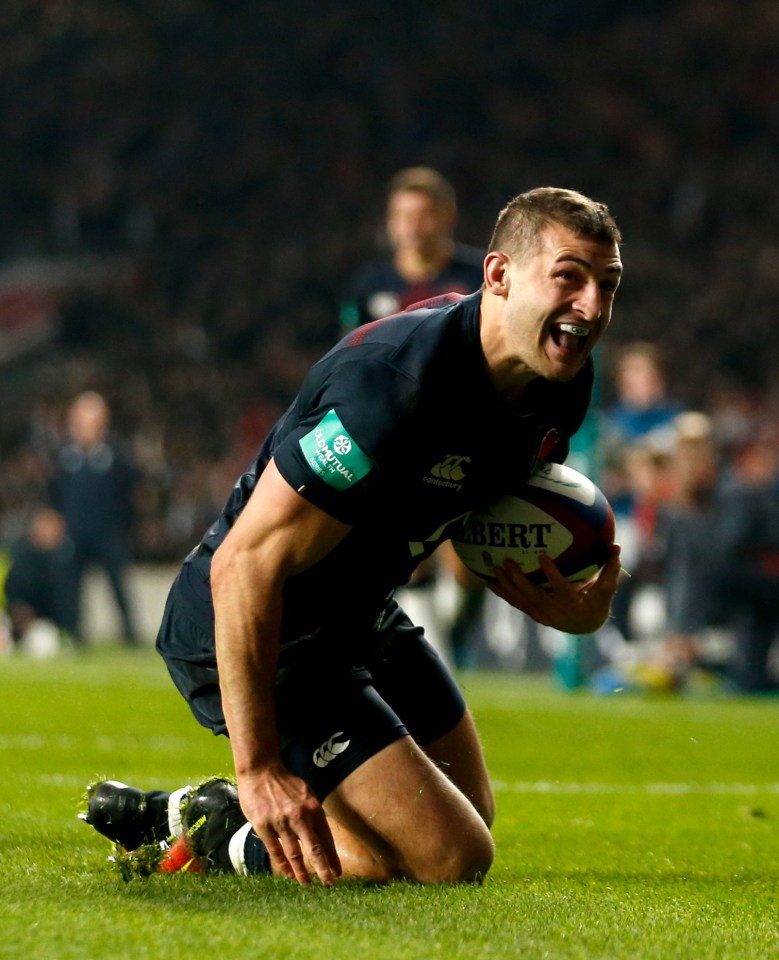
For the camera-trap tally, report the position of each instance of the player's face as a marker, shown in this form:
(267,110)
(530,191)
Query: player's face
(415,222)
(559,302)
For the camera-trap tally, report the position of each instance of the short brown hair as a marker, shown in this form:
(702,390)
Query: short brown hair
(425,180)
(521,221)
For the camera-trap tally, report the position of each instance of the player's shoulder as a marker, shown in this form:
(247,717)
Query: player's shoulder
(411,340)
(424,320)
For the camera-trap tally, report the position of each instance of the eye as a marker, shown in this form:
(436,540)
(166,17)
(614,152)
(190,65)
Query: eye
(567,276)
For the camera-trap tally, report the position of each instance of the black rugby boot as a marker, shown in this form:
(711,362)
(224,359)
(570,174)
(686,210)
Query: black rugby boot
(127,815)
(211,816)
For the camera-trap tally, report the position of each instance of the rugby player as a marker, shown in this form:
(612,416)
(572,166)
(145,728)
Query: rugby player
(354,751)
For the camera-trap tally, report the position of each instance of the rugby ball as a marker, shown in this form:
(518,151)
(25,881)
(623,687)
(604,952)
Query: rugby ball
(558,512)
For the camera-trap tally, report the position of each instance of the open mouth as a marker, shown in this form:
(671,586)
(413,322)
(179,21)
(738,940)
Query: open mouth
(570,336)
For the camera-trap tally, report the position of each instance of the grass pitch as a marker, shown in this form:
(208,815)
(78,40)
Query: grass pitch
(628,826)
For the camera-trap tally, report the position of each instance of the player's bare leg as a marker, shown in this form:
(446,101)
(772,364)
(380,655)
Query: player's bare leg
(411,818)
(406,812)
(386,844)
(357,860)
(459,755)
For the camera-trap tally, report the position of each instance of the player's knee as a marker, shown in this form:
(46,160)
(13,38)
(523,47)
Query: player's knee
(473,863)
(462,860)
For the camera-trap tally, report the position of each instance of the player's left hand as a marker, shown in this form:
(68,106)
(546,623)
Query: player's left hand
(291,822)
(578,609)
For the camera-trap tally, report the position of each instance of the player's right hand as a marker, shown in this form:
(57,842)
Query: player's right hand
(577,609)
(291,822)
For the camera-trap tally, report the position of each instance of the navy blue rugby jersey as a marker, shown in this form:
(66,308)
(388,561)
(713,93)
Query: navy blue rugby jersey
(379,290)
(399,432)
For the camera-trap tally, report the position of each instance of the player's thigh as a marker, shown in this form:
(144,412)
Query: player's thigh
(414,680)
(412,818)
(460,756)
(355,750)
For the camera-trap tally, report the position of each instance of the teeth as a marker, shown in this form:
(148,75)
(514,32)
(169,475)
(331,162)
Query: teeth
(575,329)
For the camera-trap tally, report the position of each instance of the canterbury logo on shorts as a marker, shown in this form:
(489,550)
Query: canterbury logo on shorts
(330,749)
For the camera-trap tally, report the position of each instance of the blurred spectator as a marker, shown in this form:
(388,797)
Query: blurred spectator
(681,500)
(746,582)
(40,587)
(424,258)
(642,407)
(650,476)
(637,431)
(424,261)
(721,558)
(692,550)
(92,487)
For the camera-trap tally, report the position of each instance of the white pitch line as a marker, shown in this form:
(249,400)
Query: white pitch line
(65,741)
(651,789)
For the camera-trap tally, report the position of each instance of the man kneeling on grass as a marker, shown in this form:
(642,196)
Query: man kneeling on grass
(354,752)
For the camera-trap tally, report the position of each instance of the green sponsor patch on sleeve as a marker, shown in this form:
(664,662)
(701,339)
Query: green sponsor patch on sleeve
(333,455)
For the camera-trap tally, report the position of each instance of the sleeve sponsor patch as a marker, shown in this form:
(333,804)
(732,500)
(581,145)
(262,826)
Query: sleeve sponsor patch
(333,455)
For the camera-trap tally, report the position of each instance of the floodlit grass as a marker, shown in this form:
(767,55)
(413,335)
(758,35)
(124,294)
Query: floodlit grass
(627,827)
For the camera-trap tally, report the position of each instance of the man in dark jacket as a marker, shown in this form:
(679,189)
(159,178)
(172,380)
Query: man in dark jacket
(92,488)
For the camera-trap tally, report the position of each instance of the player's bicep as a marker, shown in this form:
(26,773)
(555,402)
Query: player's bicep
(279,530)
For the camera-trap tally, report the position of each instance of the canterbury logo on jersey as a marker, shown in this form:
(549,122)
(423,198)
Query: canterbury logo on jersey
(448,472)
(330,749)
(450,468)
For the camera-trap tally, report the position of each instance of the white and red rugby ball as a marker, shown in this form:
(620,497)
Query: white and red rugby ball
(558,511)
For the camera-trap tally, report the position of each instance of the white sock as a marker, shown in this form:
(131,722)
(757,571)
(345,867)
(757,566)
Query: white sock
(235,849)
(175,826)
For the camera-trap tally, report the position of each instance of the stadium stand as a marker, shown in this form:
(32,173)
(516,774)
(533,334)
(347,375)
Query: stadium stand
(186,187)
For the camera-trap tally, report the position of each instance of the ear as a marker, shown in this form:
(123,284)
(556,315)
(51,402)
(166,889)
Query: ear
(496,278)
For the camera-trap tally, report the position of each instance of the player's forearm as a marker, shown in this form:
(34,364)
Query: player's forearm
(248,620)
(246,683)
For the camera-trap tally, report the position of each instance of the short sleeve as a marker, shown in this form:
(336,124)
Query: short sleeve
(346,425)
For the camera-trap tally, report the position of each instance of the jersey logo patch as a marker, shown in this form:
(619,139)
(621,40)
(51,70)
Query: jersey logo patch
(333,455)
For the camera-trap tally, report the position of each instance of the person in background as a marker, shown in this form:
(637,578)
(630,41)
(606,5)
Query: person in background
(425,260)
(642,418)
(680,502)
(746,581)
(642,406)
(720,546)
(92,487)
(691,551)
(40,585)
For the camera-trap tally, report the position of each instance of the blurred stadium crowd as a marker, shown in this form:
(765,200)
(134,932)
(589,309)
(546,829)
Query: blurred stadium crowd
(187,185)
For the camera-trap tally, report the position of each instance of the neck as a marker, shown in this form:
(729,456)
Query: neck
(509,374)
(415,265)
(511,380)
